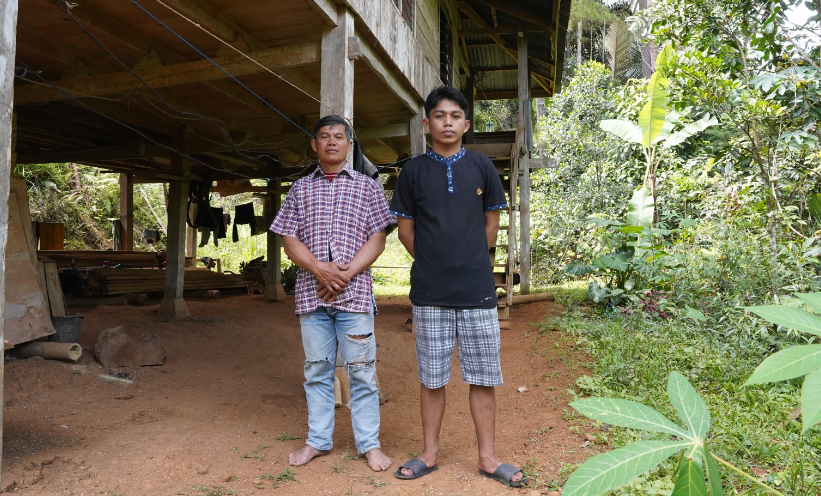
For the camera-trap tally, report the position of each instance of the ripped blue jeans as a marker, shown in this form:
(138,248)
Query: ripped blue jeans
(322,330)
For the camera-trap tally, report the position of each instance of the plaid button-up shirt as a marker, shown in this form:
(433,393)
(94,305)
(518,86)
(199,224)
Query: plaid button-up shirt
(334,219)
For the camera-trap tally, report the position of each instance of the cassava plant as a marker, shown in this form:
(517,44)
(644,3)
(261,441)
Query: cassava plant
(615,468)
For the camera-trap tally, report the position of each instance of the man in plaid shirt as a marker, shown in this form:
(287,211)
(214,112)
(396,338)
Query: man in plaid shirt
(333,226)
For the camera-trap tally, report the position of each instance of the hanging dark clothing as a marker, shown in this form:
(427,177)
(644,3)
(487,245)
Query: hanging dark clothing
(219,231)
(244,214)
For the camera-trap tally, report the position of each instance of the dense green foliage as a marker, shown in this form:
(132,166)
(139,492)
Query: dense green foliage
(86,199)
(632,355)
(737,225)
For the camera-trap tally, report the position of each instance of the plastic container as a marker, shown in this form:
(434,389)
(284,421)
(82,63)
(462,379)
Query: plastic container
(67,329)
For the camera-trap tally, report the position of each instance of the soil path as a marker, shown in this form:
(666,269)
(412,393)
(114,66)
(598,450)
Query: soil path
(207,422)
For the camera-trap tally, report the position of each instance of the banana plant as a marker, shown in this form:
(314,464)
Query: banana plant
(630,245)
(655,128)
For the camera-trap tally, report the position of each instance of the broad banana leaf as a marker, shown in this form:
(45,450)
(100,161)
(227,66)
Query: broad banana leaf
(653,116)
(623,129)
(669,124)
(690,129)
(641,208)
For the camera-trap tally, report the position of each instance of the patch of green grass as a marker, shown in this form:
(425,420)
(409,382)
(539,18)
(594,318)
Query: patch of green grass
(213,491)
(376,483)
(392,281)
(342,465)
(632,357)
(287,437)
(286,475)
(259,453)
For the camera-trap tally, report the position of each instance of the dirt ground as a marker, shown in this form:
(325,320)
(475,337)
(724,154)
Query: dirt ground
(216,417)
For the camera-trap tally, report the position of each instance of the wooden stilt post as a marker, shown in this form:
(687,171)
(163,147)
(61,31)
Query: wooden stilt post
(191,242)
(336,93)
(524,170)
(471,98)
(8,45)
(273,279)
(417,133)
(336,86)
(126,211)
(173,306)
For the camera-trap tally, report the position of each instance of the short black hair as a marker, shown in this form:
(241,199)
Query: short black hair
(445,93)
(333,120)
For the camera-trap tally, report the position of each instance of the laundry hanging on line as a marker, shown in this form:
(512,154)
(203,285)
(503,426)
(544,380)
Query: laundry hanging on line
(244,214)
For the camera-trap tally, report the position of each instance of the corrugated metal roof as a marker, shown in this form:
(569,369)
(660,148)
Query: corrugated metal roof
(491,63)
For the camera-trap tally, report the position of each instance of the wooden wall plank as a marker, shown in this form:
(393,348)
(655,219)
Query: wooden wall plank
(56,300)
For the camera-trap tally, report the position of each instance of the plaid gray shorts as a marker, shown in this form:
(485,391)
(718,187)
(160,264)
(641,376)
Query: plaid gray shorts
(476,330)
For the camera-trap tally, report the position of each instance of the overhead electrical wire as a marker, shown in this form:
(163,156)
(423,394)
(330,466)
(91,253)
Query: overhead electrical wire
(27,70)
(67,11)
(209,59)
(194,115)
(232,47)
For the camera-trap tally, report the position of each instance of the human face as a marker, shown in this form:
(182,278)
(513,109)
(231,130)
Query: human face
(446,124)
(331,145)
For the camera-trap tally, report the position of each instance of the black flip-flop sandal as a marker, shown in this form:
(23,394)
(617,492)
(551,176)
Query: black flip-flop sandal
(419,468)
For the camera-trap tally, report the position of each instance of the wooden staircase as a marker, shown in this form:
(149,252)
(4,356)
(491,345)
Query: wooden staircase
(503,268)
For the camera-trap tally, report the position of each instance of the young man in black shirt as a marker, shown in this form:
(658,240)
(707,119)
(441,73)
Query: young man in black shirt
(447,204)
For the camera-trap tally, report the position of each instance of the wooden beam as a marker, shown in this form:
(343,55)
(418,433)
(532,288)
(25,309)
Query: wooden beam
(394,148)
(337,68)
(507,29)
(212,20)
(525,15)
(171,75)
(173,306)
(45,46)
(146,46)
(126,211)
(539,163)
(273,281)
(358,49)
(235,190)
(209,18)
(510,95)
(465,54)
(326,10)
(470,94)
(8,45)
(417,132)
(522,152)
(387,131)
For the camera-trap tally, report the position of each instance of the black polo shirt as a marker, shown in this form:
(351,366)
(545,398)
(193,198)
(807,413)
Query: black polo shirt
(448,198)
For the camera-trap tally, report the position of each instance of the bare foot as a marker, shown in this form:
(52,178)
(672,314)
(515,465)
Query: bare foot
(377,460)
(304,455)
(430,460)
(490,465)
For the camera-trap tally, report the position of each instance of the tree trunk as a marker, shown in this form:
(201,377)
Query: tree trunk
(648,51)
(541,112)
(579,44)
